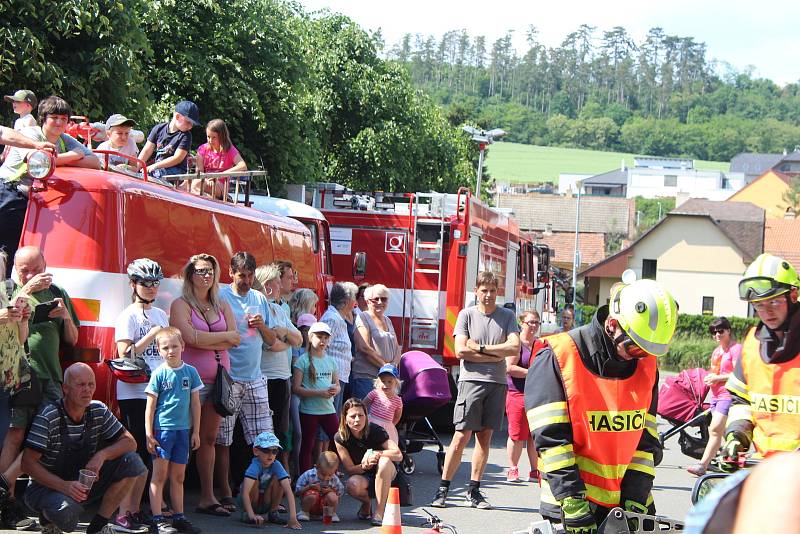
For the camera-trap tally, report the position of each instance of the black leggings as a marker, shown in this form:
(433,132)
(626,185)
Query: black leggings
(132,412)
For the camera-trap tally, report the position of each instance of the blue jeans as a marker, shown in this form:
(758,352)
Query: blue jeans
(360,387)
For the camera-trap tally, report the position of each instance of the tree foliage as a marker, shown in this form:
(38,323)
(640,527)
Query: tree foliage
(662,93)
(307,99)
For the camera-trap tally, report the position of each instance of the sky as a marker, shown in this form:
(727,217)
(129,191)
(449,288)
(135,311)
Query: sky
(764,35)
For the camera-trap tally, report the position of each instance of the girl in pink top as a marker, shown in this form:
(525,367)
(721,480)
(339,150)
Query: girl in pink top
(208,328)
(217,155)
(723,360)
(384,405)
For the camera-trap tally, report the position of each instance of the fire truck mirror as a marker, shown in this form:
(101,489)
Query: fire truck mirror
(359,265)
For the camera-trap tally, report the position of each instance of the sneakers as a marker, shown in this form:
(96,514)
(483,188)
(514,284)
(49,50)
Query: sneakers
(127,523)
(334,518)
(303,516)
(275,517)
(534,476)
(513,474)
(14,517)
(51,528)
(476,499)
(162,527)
(697,470)
(440,498)
(185,526)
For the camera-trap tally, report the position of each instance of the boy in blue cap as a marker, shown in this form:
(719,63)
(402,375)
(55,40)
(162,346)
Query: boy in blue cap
(171,141)
(264,482)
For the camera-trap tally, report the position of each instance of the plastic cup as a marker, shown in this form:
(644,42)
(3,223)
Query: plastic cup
(327,515)
(87,478)
(250,312)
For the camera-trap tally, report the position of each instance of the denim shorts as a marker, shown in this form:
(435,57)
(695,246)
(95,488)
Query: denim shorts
(173,446)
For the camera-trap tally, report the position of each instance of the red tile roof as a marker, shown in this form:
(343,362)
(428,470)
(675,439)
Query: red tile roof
(782,238)
(591,245)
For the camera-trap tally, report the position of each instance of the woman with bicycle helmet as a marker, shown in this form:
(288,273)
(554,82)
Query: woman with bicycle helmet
(764,388)
(135,334)
(591,399)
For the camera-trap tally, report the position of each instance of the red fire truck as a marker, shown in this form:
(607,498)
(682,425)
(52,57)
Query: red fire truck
(91,223)
(428,248)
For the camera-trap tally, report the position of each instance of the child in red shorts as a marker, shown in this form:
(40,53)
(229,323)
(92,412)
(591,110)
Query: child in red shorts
(319,487)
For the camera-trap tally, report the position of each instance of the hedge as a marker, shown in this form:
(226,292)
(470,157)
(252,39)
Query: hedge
(692,344)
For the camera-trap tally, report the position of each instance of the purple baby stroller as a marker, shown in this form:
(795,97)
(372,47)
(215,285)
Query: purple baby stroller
(425,389)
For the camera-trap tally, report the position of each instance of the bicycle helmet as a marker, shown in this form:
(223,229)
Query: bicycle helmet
(646,312)
(130,371)
(144,269)
(767,277)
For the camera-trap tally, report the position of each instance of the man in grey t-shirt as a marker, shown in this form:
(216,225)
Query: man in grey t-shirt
(484,335)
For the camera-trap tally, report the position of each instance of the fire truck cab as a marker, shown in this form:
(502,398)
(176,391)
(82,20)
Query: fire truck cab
(428,249)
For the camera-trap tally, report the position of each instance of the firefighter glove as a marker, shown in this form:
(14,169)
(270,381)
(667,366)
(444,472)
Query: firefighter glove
(576,515)
(636,507)
(728,456)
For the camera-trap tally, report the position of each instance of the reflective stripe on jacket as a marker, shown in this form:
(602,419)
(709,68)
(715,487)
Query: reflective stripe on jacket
(608,417)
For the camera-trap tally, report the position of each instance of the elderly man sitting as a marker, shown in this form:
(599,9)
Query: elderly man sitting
(66,438)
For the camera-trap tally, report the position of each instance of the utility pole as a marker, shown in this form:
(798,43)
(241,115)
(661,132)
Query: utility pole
(483,138)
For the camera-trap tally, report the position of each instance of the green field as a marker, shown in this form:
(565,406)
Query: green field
(515,162)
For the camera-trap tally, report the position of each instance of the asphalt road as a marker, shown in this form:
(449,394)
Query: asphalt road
(516,504)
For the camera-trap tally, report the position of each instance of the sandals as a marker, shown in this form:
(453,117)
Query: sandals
(377,521)
(213,509)
(364,516)
(229,503)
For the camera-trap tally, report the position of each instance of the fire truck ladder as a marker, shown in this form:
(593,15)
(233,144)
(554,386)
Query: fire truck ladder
(427,259)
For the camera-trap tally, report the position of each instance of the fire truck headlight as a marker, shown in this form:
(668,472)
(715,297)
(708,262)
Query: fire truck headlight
(40,164)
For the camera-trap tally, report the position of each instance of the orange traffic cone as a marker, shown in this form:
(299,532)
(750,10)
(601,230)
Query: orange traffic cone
(391,516)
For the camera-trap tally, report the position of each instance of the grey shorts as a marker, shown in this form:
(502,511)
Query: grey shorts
(480,405)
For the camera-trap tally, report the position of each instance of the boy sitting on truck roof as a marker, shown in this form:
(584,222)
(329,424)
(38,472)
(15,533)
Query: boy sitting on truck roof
(171,141)
(120,139)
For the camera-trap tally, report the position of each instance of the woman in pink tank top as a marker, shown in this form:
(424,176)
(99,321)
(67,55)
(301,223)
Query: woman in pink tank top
(208,327)
(723,360)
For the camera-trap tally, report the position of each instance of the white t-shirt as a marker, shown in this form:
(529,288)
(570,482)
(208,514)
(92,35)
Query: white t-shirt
(132,325)
(130,150)
(24,121)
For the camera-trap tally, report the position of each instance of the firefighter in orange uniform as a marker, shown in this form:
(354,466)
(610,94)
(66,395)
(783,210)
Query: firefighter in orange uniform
(765,385)
(591,400)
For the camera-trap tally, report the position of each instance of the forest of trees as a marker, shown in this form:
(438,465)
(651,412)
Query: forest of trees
(307,99)
(603,90)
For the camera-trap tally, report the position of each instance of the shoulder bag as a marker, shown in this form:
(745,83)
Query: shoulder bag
(222,394)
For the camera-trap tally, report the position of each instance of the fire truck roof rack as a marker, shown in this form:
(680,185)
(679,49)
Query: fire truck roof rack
(424,205)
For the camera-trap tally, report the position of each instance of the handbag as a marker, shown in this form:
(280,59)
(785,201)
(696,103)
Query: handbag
(222,393)
(402,483)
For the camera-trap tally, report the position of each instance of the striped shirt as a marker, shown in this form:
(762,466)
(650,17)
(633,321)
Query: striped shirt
(382,407)
(340,348)
(45,434)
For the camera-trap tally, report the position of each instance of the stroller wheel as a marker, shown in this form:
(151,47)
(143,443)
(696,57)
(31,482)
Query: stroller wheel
(408,465)
(440,462)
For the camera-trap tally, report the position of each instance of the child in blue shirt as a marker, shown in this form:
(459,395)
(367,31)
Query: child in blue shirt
(172,424)
(265,483)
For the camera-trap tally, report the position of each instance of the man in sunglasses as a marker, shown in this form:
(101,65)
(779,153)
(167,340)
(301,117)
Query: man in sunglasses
(765,385)
(591,398)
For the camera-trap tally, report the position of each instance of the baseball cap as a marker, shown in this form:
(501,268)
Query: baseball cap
(188,109)
(266,440)
(388,368)
(23,95)
(319,328)
(306,319)
(119,120)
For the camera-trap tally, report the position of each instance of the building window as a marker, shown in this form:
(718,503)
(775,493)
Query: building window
(670,180)
(649,269)
(708,305)
(726,184)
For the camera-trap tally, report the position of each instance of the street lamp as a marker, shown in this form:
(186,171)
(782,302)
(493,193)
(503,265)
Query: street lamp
(483,138)
(576,261)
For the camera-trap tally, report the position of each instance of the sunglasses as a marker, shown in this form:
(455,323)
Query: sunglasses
(379,299)
(204,272)
(631,349)
(715,331)
(149,283)
(272,450)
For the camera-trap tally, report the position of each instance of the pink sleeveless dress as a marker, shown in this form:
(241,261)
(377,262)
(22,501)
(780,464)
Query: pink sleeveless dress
(202,359)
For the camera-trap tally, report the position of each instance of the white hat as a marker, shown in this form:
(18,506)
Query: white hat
(319,328)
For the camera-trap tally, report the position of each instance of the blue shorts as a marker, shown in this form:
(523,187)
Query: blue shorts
(173,446)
